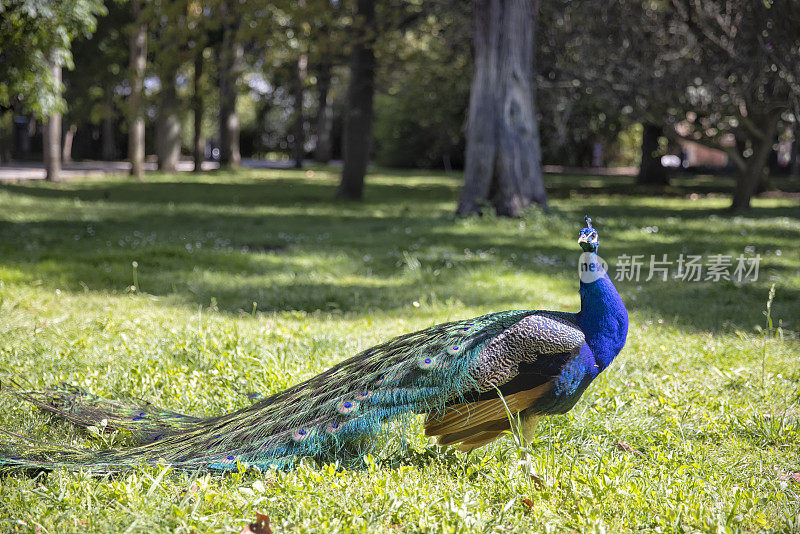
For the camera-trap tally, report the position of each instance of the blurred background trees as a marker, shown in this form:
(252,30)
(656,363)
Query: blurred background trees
(35,45)
(499,89)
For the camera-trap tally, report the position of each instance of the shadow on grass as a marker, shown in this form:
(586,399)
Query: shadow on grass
(286,244)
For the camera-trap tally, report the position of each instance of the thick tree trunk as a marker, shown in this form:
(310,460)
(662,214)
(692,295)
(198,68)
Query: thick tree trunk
(138,52)
(109,145)
(503,157)
(298,134)
(360,93)
(168,127)
(230,62)
(324,120)
(651,171)
(51,144)
(69,137)
(198,144)
(756,168)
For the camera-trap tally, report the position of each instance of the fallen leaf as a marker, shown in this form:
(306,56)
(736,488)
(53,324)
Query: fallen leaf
(787,475)
(624,447)
(538,482)
(192,491)
(527,502)
(261,526)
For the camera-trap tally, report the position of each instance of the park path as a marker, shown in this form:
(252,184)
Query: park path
(33,170)
(20,171)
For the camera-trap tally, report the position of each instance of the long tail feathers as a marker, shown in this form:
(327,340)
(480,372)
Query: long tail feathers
(81,408)
(331,417)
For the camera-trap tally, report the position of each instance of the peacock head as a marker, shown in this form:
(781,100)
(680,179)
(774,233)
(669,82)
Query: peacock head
(587,238)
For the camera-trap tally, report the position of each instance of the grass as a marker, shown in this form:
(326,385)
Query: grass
(253,281)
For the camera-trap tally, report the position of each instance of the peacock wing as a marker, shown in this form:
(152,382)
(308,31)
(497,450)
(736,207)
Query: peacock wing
(514,370)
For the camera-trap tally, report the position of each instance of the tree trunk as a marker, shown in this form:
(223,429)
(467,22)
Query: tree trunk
(22,136)
(198,145)
(230,61)
(503,157)
(168,127)
(482,114)
(360,93)
(794,161)
(651,171)
(324,121)
(756,166)
(298,134)
(109,145)
(138,52)
(69,137)
(52,137)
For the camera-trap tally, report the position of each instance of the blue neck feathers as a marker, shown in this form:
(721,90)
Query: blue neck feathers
(603,317)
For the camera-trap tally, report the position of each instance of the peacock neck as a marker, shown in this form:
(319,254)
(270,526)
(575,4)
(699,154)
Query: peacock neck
(603,317)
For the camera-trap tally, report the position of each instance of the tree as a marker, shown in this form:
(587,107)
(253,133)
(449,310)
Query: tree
(749,52)
(35,40)
(324,118)
(651,171)
(606,66)
(52,132)
(298,127)
(201,25)
(138,63)
(35,36)
(360,94)
(96,84)
(503,156)
(422,88)
(168,125)
(327,38)
(198,141)
(170,51)
(231,54)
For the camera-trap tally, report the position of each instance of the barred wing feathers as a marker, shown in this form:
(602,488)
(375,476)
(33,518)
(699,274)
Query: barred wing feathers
(514,371)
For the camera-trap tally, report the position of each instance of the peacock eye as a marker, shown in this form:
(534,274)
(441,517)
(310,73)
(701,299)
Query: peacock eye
(594,234)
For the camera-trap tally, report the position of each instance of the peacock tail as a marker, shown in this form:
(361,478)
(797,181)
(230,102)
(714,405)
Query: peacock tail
(145,421)
(469,378)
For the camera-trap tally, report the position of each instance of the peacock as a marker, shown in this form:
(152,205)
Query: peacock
(471,379)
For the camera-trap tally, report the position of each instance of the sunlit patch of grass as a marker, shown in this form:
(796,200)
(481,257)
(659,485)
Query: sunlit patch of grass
(253,281)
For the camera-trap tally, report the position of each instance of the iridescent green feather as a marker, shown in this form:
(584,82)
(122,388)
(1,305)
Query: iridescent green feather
(332,416)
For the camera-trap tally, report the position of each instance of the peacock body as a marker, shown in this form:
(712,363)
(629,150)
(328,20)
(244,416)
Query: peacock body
(471,379)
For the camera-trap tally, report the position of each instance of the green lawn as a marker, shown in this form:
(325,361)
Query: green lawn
(254,281)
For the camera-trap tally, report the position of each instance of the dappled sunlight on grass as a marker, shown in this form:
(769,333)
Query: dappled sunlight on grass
(253,281)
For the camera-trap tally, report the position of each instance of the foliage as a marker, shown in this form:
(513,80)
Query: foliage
(751,81)
(95,88)
(251,282)
(423,89)
(35,35)
(605,66)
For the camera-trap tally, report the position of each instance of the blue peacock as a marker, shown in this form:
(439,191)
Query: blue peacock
(472,380)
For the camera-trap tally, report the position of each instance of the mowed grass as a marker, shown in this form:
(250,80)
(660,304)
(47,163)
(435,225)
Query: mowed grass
(253,281)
